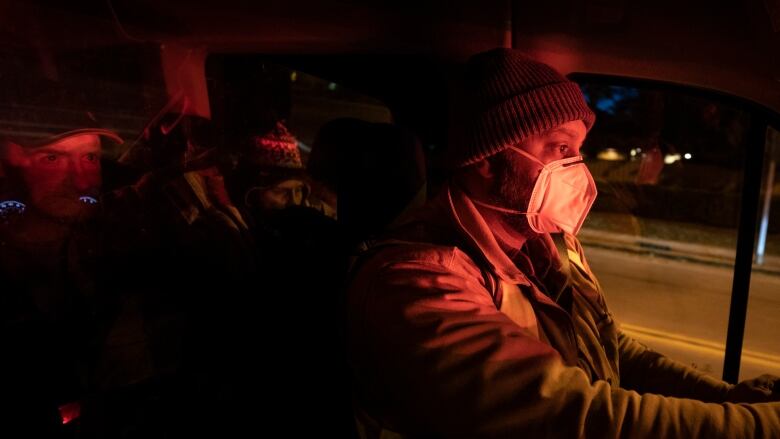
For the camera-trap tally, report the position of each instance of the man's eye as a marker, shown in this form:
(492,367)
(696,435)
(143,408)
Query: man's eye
(563,149)
(51,158)
(91,157)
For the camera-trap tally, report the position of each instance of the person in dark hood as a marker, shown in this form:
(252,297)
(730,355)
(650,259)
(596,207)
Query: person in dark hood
(368,173)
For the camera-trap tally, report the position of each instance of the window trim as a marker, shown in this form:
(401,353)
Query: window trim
(746,239)
(750,200)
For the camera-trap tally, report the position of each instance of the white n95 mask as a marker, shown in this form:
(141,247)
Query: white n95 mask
(562,196)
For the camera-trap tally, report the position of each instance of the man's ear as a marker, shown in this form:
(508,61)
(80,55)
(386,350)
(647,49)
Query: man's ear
(14,155)
(483,169)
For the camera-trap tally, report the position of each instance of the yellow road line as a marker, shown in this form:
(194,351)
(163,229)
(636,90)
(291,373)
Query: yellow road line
(697,344)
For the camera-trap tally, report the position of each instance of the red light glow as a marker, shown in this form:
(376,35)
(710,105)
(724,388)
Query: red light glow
(70,412)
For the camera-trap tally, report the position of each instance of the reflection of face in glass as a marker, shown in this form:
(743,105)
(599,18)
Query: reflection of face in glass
(284,194)
(59,176)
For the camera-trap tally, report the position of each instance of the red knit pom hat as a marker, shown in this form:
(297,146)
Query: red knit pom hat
(510,97)
(276,149)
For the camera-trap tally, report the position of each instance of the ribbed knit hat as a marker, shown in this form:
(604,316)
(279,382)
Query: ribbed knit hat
(510,97)
(276,149)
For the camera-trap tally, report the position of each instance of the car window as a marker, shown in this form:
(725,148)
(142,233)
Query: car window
(761,328)
(662,234)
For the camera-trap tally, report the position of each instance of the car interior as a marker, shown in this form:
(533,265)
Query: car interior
(263,143)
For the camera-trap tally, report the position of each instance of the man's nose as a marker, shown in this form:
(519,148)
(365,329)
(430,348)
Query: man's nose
(84,179)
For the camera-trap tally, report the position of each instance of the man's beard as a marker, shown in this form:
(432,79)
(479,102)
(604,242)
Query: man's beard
(512,189)
(65,207)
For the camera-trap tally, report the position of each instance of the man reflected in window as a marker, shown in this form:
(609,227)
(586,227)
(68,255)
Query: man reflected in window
(51,179)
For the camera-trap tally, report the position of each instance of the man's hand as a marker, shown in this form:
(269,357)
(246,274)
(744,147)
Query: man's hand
(762,389)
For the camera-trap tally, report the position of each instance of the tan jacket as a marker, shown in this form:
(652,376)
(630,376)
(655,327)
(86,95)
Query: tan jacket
(449,338)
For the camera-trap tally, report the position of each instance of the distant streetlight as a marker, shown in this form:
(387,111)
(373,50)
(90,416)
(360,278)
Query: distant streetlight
(671,158)
(610,154)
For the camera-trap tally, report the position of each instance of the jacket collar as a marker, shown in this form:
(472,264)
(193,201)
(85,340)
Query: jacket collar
(473,227)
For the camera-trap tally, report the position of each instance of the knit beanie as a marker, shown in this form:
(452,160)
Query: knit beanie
(276,149)
(511,97)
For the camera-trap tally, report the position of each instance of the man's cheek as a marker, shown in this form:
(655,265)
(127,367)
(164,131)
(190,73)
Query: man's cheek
(44,179)
(274,199)
(92,180)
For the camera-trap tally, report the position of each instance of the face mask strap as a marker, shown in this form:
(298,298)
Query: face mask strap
(569,161)
(526,154)
(501,209)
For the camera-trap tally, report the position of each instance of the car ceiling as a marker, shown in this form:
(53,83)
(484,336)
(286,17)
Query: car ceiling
(733,47)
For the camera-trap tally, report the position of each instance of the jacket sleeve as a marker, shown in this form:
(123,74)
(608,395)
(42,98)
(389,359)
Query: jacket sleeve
(433,355)
(647,371)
